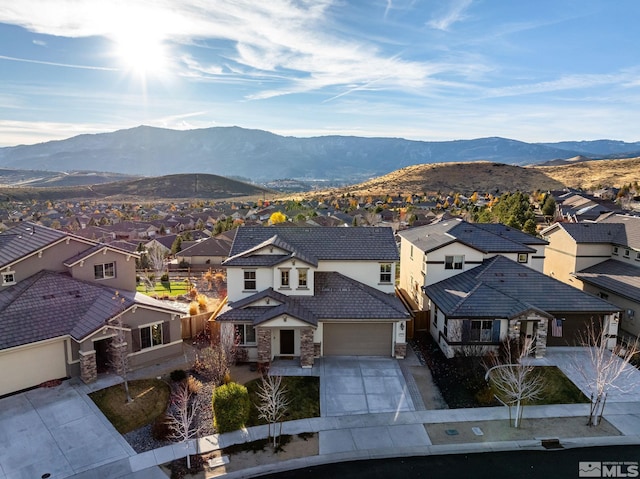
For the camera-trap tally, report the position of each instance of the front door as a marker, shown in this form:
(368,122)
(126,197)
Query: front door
(287,345)
(102,355)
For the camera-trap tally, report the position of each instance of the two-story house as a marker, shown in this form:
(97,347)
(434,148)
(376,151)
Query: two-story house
(602,258)
(443,249)
(484,283)
(312,292)
(59,297)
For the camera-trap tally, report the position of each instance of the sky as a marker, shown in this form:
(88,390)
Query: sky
(433,70)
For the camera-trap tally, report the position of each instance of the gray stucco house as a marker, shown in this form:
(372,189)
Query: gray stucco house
(58,303)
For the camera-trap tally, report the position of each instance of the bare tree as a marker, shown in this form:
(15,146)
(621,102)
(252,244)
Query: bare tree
(183,413)
(273,403)
(608,366)
(213,362)
(156,258)
(118,347)
(516,382)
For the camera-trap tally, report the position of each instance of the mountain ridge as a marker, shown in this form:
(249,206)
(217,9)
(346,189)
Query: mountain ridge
(261,155)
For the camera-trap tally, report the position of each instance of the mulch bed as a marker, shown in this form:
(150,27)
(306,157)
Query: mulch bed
(460,379)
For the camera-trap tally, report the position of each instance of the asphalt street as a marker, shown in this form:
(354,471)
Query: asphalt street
(616,461)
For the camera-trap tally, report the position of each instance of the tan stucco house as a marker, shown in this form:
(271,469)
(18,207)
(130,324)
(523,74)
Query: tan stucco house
(59,297)
(297,292)
(602,258)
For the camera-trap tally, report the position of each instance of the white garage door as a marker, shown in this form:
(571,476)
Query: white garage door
(357,339)
(36,365)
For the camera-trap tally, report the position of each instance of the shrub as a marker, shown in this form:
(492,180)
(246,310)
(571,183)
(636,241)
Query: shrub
(193,293)
(161,429)
(194,385)
(231,407)
(212,363)
(193,308)
(178,375)
(164,278)
(202,301)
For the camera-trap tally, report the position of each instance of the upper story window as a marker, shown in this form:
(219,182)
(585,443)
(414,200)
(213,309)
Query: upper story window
(8,278)
(626,253)
(385,272)
(615,250)
(411,252)
(151,336)
(104,271)
(523,257)
(249,280)
(302,278)
(453,262)
(284,278)
(638,256)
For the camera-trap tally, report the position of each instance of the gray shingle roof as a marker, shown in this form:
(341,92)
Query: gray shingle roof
(49,304)
(593,232)
(615,276)
(631,225)
(335,297)
(330,243)
(208,247)
(503,288)
(485,238)
(24,239)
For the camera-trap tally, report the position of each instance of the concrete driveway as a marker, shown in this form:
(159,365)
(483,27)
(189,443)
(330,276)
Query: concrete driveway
(362,385)
(56,431)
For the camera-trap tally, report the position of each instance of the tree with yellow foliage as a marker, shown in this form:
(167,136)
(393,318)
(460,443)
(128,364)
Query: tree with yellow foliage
(277,217)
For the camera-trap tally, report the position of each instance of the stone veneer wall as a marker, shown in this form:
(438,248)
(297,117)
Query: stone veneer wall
(88,366)
(264,345)
(317,349)
(307,349)
(400,350)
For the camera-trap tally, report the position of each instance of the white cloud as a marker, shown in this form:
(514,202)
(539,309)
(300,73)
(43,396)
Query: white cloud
(287,38)
(454,13)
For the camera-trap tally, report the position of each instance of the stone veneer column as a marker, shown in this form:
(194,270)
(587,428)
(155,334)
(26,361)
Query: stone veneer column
(264,345)
(307,349)
(541,340)
(400,350)
(88,366)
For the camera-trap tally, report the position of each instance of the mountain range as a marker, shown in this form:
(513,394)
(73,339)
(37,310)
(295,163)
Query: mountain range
(262,156)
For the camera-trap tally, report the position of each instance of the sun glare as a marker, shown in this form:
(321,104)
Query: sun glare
(141,52)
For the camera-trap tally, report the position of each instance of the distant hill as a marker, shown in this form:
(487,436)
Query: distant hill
(40,178)
(263,156)
(161,187)
(600,148)
(498,178)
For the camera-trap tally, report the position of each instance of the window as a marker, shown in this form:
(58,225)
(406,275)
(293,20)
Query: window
(615,250)
(385,273)
(638,256)
(284,278)
(481,331)
(411,252)
(626,253)
(249,280)
(604,296)
(104,271)
(453,262)
(445,328)
(523,257)
(246,334)
(435,318)
(151,336)
(8,278)
(302,278)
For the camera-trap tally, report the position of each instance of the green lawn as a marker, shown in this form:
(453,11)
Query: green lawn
(173,288)
(558,389)
(302,391)
(150,399)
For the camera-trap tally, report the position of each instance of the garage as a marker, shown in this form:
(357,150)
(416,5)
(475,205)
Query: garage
(37,363)
(357,339)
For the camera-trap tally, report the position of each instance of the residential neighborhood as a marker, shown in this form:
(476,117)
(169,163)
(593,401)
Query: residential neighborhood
(333,290)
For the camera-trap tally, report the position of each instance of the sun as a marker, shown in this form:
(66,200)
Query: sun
(141,52)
